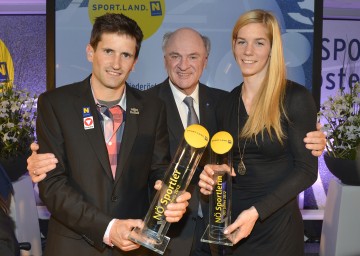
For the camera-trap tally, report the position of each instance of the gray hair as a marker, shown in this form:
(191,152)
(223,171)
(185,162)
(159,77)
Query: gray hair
(205,39)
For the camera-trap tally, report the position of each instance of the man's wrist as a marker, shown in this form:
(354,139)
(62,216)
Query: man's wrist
(106,238)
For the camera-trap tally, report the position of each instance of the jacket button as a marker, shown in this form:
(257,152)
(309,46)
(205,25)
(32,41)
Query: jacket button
(114,198)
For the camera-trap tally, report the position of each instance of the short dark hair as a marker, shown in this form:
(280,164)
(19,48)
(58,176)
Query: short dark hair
(116,23)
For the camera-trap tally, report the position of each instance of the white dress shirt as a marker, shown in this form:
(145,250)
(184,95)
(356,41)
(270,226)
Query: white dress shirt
(181,106)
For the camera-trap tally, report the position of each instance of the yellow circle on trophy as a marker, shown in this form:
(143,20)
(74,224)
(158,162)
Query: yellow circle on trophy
(149,15)
(196,136)
(221,142)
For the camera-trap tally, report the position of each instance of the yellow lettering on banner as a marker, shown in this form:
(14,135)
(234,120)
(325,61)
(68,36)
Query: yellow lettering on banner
(149,15)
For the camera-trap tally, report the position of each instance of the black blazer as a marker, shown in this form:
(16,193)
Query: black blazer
(208,100)
(81,193)
(183,232)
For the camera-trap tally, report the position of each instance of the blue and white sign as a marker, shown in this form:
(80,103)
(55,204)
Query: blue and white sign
(214,19)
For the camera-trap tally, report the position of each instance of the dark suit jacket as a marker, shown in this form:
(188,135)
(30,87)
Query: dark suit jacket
(182,233)
(8,242)
(10,171)
(81,193)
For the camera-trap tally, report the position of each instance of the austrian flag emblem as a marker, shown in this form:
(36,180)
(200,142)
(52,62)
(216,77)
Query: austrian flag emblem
(88,122)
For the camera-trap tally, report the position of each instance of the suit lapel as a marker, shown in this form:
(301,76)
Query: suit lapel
(95,135)
(205,106)
(175,126)
(133,111)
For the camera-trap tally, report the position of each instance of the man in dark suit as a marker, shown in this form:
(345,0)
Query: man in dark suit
(100,189)
(185,55)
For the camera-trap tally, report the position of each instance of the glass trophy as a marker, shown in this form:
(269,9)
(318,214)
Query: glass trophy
(220,199)
(177,178)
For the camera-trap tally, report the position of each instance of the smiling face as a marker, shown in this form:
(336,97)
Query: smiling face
(252,49)
(112,61)
(185,58)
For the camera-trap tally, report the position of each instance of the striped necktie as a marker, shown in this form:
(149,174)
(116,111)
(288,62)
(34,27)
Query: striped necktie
(113,145)
(192,117)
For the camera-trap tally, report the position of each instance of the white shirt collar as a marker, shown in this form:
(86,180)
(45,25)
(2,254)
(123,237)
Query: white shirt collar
(122,102)
(180,96)
(181,106)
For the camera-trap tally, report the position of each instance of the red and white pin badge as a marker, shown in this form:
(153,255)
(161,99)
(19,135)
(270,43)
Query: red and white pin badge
(88,123)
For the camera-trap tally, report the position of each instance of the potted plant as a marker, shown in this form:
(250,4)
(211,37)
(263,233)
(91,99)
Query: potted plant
(17,127)
(341,117)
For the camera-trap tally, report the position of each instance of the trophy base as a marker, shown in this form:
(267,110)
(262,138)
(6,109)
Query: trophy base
(215,237)
(148,239)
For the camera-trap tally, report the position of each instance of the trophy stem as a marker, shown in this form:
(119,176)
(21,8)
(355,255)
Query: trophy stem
(219,210)
(220,198)
(175,182)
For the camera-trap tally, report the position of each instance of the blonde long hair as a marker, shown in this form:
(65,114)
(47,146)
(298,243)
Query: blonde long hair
(268,104)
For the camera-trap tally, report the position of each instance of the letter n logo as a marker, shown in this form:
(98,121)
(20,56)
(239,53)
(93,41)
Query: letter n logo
(86,111)
(155,8)
(4,75)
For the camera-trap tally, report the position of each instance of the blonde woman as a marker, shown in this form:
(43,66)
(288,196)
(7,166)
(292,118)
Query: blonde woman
(268,117)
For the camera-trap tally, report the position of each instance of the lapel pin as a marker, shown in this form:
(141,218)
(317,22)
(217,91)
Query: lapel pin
(134,111)
(88,119)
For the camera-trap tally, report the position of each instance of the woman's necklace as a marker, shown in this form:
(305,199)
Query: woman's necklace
(241,166)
